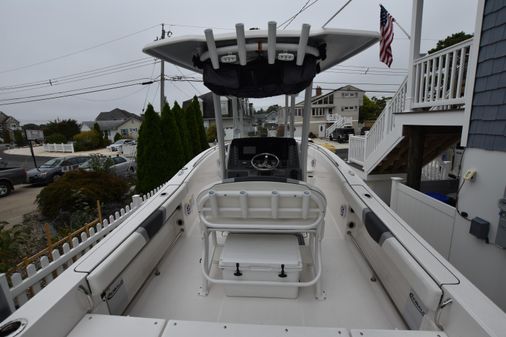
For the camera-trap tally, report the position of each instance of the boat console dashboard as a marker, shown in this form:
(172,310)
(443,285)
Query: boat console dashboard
(251,158)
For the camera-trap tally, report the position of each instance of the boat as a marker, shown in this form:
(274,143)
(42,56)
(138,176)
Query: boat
(260,236)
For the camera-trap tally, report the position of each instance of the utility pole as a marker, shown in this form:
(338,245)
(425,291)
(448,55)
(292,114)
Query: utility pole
(162,77)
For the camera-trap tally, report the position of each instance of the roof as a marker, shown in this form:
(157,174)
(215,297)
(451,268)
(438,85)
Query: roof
(344,88)
(116,114)
(487,129)
(105,125)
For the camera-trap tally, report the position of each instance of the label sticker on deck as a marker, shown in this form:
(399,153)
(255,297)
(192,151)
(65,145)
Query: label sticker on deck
(414,310)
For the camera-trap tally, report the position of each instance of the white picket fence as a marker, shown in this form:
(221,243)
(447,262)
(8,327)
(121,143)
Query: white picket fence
(23,286)
(59,148)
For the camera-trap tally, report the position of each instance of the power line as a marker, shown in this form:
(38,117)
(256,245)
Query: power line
(78,93)
(193,86)
(71,90)
(391,70)
(82,78)
(306,6)
(358,83)
(365,73)
(78,51)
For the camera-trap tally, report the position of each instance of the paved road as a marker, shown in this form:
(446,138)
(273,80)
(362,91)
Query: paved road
(22,161)
(18,203)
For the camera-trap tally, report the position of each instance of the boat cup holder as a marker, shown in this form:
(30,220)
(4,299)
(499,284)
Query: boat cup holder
(13,328)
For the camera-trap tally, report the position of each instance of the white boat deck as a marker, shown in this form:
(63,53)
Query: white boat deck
(352,299)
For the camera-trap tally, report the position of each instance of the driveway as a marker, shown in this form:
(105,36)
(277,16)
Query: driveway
(18,203)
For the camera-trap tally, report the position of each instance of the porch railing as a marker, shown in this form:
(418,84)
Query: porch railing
(356,152)
(386,120)
(437,169)
(339,122)
(440,78)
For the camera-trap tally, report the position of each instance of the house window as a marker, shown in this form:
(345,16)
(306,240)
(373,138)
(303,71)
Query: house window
(331,99)
(133,130)
(224,106)
(124,132)
(326,100)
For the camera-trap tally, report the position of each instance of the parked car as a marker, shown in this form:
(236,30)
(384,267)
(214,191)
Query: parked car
(117,145)
(54,169)
(342,135)
(120,166)
(10,176)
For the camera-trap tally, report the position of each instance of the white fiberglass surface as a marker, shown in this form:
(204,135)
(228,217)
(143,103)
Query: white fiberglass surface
(352,299)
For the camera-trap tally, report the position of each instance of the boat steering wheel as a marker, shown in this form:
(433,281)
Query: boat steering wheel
(265,161)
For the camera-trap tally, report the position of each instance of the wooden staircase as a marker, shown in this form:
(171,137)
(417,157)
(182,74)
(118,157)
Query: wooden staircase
(437,140)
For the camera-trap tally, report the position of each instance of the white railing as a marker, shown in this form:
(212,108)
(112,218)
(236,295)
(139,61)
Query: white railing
(383,126)
(436,170)
(59,148)
(430,218)
(24,284)
(356,152)
(386,120)
(339,122)
(440,78)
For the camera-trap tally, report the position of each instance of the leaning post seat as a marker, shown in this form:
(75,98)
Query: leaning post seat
(261,207)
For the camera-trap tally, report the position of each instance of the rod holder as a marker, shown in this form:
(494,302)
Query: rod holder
(301,50)
(271,42)
(211,48)
(241,43)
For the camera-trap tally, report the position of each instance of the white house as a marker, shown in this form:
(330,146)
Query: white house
(114,122)
(326,108)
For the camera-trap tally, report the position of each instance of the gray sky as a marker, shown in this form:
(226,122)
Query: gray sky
(33,31)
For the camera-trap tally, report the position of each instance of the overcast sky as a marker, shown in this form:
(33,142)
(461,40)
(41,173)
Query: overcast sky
(34,31)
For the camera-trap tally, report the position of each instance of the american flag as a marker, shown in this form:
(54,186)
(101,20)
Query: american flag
(387,36)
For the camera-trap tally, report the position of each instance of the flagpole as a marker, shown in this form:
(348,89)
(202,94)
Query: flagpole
(403,30)
(400,27)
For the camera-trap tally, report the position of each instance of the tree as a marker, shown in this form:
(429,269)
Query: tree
(117,137)
(19,138)
(172,142)
(450,41)
(204,144)
(67,127)
(183,131)
(151,157)
(100,134)
(6,136)
(191,124)
(371,108)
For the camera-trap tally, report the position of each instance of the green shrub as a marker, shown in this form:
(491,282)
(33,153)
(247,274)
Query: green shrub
(193,131)
(117,137)
(56,138)
(211,133)
(11,240)
(152,158)
(172,139)
(100,163)
(80,190)
(204,144)
(19,138)
(87,140)
(183,131)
